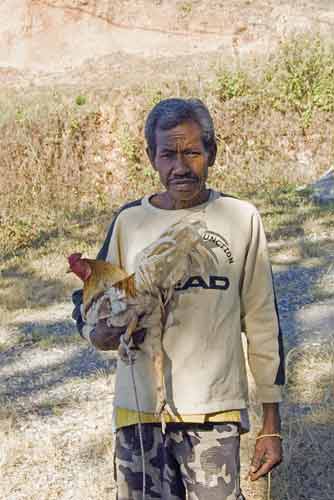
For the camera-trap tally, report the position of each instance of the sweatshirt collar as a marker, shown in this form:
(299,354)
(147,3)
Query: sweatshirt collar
(148,205)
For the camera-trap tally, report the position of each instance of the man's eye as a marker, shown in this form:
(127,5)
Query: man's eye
(192,153)
(168,155)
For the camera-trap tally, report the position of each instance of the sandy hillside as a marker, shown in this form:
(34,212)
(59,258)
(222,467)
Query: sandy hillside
(62,37)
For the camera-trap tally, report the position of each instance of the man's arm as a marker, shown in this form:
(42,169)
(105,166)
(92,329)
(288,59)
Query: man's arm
(260,322)
(76,313)
(107,338)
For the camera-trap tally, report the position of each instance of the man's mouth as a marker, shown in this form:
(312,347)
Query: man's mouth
(183,180)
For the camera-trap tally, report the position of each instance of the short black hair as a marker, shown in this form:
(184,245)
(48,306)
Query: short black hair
(169,113)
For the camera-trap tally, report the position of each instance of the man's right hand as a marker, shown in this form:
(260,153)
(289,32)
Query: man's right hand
(107,338)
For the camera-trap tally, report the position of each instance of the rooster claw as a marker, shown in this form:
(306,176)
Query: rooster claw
(164,408)
(126,354)
(125,357)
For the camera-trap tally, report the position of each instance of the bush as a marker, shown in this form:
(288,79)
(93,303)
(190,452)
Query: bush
(302,77)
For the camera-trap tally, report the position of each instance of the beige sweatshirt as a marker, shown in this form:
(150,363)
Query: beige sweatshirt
(204,361)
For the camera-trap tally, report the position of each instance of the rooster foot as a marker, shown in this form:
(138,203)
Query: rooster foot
(126,354)
(126,342)
(163,408)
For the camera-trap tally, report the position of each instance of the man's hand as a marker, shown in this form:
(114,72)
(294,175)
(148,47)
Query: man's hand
(107,338)
(267,454)
(268,450)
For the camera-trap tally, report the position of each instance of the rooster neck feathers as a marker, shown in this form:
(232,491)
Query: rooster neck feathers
(105,275)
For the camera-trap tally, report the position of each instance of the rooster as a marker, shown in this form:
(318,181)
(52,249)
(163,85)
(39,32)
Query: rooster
(109,292)
(98,276)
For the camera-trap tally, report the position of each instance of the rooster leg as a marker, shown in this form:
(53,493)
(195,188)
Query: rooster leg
(161,391)
(162,407)
(131,328)
(159,377)
(122,351)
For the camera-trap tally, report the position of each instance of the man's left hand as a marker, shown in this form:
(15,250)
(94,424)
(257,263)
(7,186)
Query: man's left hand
(267,455)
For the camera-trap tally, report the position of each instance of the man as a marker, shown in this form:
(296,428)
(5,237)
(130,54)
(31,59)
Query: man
(198,456)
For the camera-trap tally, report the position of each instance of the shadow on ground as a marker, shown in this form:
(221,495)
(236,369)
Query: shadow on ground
(308,411)
(20,385)
(30,335)
(307,469)
(295,289)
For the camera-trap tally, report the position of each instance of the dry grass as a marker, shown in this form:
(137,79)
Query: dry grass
(74,151)
(308,424)
(57,452)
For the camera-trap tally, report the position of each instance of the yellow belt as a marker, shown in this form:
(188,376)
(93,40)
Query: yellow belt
(125,417)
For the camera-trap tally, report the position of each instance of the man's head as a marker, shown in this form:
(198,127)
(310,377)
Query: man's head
(181,146)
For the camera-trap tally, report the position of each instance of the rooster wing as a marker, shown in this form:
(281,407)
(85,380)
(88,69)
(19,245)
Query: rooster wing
(103,277)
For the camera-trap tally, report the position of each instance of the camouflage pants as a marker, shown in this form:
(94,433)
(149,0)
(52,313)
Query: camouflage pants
(193,461)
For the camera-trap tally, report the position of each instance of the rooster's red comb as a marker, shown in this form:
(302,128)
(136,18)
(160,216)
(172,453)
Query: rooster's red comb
(73,258)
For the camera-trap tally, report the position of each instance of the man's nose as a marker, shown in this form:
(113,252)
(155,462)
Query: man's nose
(181,166)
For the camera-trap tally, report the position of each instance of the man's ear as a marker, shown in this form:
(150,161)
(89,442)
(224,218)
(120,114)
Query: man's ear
(149,153)
(212,154)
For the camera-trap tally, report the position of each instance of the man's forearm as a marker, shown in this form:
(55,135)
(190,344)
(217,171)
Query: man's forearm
(271,418)
(76,314)
(107,338)
(104,337)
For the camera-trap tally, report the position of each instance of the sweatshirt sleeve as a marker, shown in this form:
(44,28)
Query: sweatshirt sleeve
(108,248)
(259,318)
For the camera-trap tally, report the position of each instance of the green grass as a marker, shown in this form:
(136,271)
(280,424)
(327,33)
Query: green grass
(231,84)
(302,77)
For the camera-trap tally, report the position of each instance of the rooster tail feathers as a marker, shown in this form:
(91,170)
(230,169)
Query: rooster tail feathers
(204,256)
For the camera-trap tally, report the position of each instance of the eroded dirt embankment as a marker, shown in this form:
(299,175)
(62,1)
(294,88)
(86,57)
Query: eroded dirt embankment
(58,36)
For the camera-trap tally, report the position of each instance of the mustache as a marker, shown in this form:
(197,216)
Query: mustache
(184,177)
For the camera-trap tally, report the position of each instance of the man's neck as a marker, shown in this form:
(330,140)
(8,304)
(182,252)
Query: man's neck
(166,202)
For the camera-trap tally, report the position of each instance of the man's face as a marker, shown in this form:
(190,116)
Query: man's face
(182,162)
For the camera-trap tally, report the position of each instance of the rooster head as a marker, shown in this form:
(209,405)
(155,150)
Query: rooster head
(80,267)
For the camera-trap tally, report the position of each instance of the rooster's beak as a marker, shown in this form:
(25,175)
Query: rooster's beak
(69,270)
